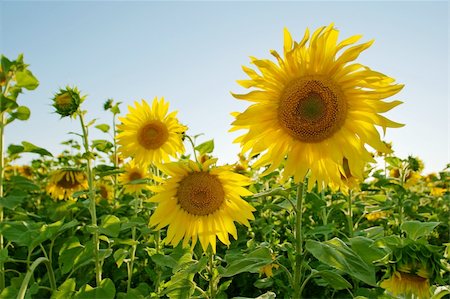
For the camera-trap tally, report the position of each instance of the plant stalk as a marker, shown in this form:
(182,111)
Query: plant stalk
(134,247)
(350,214)
(212,276)
(98,267)
(2,171)
(26,280)
(299,239)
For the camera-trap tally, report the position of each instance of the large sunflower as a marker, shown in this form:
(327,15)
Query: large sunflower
(149,134)
(315,107)
(201,202)
(64,182)
(133,172)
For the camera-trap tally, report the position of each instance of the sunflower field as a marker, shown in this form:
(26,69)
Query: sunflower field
(316,205)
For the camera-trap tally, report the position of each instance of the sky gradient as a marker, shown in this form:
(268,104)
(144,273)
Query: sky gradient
(192,52)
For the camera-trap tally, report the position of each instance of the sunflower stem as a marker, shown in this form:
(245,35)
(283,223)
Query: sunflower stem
(98,267)
(115,157)
(212,275)
(134,247)
(2,171)
(193,148)
(299,239)
(350,214)
(26,280)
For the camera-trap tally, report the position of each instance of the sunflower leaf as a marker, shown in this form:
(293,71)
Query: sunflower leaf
(205,147)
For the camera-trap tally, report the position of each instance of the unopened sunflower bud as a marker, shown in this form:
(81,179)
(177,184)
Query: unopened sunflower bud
(67,101)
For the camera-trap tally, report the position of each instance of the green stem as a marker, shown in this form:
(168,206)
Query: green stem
(299,239)
(98,267)
(212,276)
(2,167)
(350,214)
(193,148)
(157,267)
(134,247)
(115,157)
(2,171)
(306,280)
(26,280)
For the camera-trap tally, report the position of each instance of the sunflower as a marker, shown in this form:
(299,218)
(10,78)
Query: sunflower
(149,134)
(313,108)
(133,172)
(401,283)
(64,182)
(105,191)
(201,201)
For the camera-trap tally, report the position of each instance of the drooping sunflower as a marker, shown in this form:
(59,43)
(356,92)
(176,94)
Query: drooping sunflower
(150,134)
(200,203)
(64,182)
(133,171)
(413,267)
(315,107)
(406,284)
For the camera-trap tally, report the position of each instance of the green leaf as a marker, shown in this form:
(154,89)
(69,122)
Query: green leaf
(3,255)
(106,290)
(103,127)
(205,147)
(102,145)
(337,254)
(21,113)
(365,248)
(7,103)
(251,262)
(110,226)
(66,290)
(164,261)
(6,64)
(26,79)
(263,283)
(21,232)
(115,109)
(28,147)
(268,295)
(119,255)
(31,148)
(335,280)
(12,201)
(416,229)
(394,161)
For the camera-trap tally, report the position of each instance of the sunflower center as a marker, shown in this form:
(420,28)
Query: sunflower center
(153,135)
(312,109)
(135,176)
(63,101)
(103,192)
(68,181)
(200,193)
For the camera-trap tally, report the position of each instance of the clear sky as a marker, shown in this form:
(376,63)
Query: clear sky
(191,53)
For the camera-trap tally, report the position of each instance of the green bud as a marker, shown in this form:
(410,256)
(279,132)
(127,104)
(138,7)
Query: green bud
(67,101)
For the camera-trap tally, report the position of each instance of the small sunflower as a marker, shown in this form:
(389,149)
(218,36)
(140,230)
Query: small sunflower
(374,216)
(64,182)
(201,201)
(314,108)
(133,172)
(26,171)
(67,101)
(149,134)
(105,191)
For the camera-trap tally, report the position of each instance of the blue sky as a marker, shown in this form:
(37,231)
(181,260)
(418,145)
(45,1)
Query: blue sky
(191,53)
